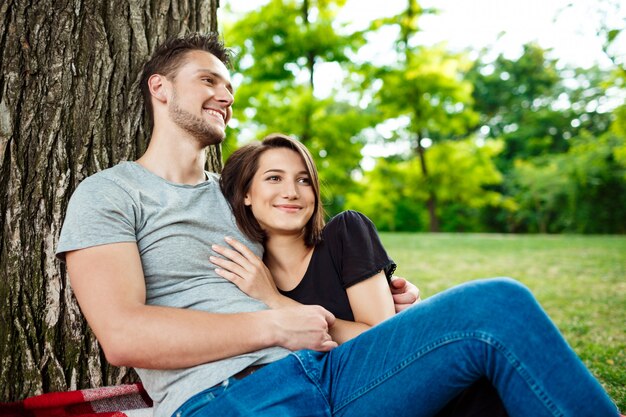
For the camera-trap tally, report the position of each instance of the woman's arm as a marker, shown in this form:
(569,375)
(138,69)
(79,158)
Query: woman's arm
(371,303)
(370,300)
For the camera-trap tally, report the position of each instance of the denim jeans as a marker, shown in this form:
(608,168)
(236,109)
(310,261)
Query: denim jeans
(415,362)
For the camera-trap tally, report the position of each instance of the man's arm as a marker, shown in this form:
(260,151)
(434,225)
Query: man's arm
(404,293)
(110,288)
(370,299)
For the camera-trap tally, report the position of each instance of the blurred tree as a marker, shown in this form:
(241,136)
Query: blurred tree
(536,107)
(618,129)
(280,46)
(426,86)
(385,197)
(582,191)
(612,30)
(394,194)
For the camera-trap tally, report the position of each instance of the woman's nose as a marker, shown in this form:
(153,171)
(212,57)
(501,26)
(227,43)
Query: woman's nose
(290,190)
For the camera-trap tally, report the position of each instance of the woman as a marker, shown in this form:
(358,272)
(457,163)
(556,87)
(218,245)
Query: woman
(488,328)
(274,193)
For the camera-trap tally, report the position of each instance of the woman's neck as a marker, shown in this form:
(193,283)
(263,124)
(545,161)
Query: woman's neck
(287,258)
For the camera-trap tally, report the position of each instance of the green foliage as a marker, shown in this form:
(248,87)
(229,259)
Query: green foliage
(279,47)
(553,143)
(425,86)
(462,177)
(392,195)
(528,102)
(580,191)
(428,88)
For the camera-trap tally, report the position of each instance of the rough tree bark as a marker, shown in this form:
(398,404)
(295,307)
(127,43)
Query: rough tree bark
(69,106)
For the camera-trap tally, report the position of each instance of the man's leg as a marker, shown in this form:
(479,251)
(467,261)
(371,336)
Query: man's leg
(417,361)
(276,390)
(479,400)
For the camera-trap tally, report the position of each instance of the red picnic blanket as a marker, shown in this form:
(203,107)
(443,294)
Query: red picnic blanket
(129,400)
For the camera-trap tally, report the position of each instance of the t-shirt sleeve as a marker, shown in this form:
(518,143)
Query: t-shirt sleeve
(99,212)
(361,255)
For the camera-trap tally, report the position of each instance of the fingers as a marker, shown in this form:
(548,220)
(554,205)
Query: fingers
(305,327)
(243,249)
(328,316)
(232,277)
(327,346)
(404,298)
(227,265)
(231,254)
(397,283)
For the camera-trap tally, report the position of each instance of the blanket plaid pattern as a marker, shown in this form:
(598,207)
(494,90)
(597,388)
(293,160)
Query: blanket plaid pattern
(129,400)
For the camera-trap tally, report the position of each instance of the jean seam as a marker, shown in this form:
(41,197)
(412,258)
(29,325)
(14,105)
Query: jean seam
(455,337)
(314,381)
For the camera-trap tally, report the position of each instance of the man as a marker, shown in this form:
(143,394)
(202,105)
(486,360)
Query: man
(137,237)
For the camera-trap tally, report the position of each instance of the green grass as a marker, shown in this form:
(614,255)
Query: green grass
(579,280)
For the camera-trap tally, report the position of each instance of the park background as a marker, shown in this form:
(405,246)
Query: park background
(513,153)
(503,119)
(503,137)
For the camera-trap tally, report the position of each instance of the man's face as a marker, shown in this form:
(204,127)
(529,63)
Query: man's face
(202,97)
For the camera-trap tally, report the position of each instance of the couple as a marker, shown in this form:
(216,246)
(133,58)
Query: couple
(136,239)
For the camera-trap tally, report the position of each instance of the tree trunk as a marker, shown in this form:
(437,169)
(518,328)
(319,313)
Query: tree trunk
(431,204)
(69,106)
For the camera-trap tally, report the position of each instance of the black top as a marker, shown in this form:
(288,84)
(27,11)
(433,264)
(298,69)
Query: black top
(350,252)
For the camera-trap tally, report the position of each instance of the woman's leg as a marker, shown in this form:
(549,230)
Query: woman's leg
(414,363)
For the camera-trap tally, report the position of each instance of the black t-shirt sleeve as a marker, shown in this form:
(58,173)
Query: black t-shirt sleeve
(356,248)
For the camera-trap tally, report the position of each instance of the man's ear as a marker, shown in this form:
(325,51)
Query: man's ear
(157,84)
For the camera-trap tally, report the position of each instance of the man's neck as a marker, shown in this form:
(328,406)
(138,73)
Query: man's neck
(175,157)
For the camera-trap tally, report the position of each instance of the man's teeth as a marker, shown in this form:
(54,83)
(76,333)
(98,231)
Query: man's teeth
(215,113)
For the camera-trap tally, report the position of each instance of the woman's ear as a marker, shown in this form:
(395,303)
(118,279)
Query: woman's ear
(246,200)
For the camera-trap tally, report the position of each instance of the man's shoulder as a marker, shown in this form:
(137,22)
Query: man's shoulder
(122,170)
(116,176)
(115,184)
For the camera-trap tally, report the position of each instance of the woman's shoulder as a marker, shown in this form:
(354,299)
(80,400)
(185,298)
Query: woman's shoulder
(348,220)
(350,216)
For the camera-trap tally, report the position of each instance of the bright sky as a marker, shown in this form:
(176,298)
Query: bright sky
(567,26)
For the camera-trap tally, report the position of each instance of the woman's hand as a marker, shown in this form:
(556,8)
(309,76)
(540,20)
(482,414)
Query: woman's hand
(247,271)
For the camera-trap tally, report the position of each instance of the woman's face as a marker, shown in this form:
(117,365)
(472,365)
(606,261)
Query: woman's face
(281,196)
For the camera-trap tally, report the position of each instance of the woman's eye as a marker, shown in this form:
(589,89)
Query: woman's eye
(273,178)
(208,80)
(305,180)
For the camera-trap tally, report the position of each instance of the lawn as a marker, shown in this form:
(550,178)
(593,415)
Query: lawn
(580,281)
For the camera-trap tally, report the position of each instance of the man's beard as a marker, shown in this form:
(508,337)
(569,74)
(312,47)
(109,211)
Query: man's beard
(204,132)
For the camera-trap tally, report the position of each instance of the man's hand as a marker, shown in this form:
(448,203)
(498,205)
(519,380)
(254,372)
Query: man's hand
(404,293)
(303,327)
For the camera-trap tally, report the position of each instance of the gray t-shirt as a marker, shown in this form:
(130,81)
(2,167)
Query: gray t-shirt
(174,226)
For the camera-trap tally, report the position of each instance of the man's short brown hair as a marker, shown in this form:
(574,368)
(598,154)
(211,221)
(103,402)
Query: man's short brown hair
(170,56)
(237,177)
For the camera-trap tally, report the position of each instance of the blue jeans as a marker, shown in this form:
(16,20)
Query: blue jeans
(417,361)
